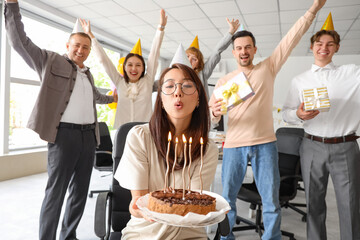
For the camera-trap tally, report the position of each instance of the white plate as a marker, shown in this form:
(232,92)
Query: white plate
(190,219)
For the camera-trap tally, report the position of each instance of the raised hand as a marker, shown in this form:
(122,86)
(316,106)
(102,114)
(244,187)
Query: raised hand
(163,18)
(87,27)
(306,115)
(233,25)
(317,5)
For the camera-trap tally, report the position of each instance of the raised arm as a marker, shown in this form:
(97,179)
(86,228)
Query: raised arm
(215,56)
(105,61)
(316,6)
(31,53)
(152,62)
(293,36)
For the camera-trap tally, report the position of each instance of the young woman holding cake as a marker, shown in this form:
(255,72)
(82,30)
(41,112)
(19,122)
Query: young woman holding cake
(180,103)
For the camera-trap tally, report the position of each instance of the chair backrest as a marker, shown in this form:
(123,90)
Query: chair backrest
(121,196)
(288,143)
(103,161)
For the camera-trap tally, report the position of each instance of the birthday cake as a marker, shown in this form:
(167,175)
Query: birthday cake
(173,202)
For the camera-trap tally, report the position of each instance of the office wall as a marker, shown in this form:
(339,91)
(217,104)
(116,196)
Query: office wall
(17,165)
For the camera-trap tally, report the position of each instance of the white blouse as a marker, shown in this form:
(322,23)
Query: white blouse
(134,99)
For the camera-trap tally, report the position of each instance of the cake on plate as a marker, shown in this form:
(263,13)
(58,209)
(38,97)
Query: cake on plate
(173,203)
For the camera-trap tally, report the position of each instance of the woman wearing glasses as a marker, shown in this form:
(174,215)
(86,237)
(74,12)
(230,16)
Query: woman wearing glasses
(181,108)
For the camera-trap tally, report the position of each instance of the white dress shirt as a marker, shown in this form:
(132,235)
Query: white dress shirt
(343,85)
(80,107)
(134,99)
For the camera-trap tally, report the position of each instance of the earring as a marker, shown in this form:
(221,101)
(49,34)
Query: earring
(197,105)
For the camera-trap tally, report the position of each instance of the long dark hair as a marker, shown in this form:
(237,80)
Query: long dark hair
(199,126)
(126,77)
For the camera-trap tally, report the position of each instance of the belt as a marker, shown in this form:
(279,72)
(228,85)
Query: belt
(81,127)
(347,138)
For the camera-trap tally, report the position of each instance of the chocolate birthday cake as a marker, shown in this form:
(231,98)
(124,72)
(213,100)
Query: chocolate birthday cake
(173,202)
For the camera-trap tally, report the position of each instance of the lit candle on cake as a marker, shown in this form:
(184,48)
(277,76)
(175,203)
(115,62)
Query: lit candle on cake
(190,141)
(185,160)
(202,162)
(167,162)
(173,168)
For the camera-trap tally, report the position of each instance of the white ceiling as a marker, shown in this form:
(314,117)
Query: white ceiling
(124,21)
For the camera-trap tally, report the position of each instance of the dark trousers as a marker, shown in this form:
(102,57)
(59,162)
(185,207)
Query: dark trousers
(70,162)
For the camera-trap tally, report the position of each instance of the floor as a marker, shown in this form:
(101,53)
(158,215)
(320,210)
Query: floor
(21,199)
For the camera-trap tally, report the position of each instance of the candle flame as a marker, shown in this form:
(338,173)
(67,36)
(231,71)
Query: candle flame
(201,141)
(169,136)
(184,138)
(190,140)
(176,140)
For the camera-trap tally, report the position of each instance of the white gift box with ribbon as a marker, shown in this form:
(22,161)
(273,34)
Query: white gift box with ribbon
(234,92)
(316,99)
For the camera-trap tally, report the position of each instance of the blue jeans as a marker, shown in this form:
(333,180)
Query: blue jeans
(264,162)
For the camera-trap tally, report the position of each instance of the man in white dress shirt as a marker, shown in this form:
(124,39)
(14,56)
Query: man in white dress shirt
(329,145)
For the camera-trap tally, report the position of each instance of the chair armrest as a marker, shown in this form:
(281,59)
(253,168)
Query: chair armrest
(100,215)
(103,152)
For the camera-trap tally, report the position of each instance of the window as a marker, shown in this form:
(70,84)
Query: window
(25,83)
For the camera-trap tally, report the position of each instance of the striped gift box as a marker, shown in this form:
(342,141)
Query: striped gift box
(316,99)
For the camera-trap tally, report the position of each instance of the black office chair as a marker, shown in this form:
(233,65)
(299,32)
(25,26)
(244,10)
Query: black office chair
(292,148)
(289,167)
(118,199)
(103,154)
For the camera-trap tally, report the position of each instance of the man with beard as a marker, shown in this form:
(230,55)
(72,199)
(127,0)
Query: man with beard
(250,135)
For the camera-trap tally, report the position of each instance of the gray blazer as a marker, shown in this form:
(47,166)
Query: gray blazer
(57,74)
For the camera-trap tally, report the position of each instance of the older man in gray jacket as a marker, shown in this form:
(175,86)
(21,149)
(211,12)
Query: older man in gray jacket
(65,116)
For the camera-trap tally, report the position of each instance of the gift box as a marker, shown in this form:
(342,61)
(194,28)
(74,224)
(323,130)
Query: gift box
(233,92)
(316,99)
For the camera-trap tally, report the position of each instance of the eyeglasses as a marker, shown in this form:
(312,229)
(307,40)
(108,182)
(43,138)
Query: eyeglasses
(169,87)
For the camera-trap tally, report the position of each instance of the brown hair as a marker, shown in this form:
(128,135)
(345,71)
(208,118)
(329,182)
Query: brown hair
(199,56)
(199,126)
(333,34)
(126,77)
(80,34)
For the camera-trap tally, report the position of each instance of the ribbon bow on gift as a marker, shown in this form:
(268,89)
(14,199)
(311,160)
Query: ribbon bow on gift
(231,97)
(231,92)
(315,101)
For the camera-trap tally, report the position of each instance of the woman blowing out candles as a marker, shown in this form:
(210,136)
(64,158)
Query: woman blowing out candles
(180,103)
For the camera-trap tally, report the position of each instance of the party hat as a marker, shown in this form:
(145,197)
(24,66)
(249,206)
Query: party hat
(328,25)
(195,43)
(77,27)
(180,57)
(241,28)
(137,48)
